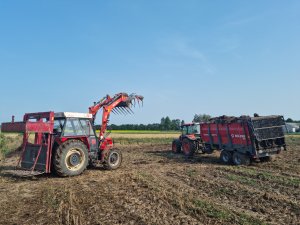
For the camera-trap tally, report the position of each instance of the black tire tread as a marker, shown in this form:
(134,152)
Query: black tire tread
(106,158)
(59,170)
(178,145)
(221,157)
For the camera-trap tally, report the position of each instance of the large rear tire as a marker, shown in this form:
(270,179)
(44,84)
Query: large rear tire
(226,157)
(71,158)
(240,159)
(113,159)
(188,147)
(176,146)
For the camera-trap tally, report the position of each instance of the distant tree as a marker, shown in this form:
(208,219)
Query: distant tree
(175,125)
(162,123)
(289,120)
(168,123)
(201,118)
(182,122)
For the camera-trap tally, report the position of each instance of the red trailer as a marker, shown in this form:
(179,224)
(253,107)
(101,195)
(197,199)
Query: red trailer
(240,139)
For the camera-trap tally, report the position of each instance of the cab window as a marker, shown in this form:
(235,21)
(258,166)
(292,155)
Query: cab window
(193,129)
(87,127)
(73,128)
(185,130)
(58,125)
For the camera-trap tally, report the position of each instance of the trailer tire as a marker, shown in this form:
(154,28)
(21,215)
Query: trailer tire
(176,146)
(188,147)
(71,158)
(208,149)
(226,157)
(112,159)
(240,159)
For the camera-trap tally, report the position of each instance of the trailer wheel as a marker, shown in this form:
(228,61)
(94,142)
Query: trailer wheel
(240,159)
(188,147)
(176,146)
(113,159)
(71,158)
(226,157)
(208,149)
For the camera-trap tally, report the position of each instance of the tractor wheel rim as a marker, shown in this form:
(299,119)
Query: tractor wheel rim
(114,159)
(74,159)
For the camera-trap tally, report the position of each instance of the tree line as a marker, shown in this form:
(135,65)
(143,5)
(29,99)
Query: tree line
(289,120)
(166,124)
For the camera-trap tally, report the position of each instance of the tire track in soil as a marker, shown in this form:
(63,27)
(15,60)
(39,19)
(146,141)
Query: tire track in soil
(182,195)
(134,203)
(264,180)
(283,207)
(237,196)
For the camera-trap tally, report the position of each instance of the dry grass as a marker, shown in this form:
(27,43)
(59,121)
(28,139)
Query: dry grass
(8,143)
(155,186)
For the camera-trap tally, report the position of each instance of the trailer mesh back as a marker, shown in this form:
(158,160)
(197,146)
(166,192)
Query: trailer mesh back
(270,127)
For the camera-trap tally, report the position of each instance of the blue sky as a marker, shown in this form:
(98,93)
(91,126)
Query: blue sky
(185,57)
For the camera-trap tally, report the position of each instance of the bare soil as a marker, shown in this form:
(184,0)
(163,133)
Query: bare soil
(155,186)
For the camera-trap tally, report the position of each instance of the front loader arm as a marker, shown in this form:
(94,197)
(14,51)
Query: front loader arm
(120,104)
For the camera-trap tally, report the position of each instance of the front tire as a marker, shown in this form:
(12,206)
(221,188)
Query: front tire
(71,158)
(176,146)
(113,159)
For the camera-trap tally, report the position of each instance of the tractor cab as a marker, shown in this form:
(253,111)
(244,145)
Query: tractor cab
(68,124)
(78,126)
(191,130)
(189,141)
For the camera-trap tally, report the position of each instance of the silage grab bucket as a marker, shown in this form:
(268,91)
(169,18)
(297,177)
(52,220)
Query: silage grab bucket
(37,129)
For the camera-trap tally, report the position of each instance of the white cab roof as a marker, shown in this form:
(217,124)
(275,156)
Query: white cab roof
(73,115)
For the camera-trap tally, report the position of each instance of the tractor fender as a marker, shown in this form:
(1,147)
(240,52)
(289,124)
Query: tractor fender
(106,144)
(60,141)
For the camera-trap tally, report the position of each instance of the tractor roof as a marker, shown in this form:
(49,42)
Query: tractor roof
(73,115)
(189,124)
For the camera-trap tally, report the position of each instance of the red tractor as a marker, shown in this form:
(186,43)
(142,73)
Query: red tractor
(189,141)
(66,143)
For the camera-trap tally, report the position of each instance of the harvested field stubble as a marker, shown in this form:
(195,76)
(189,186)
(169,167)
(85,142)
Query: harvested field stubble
(155,186)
